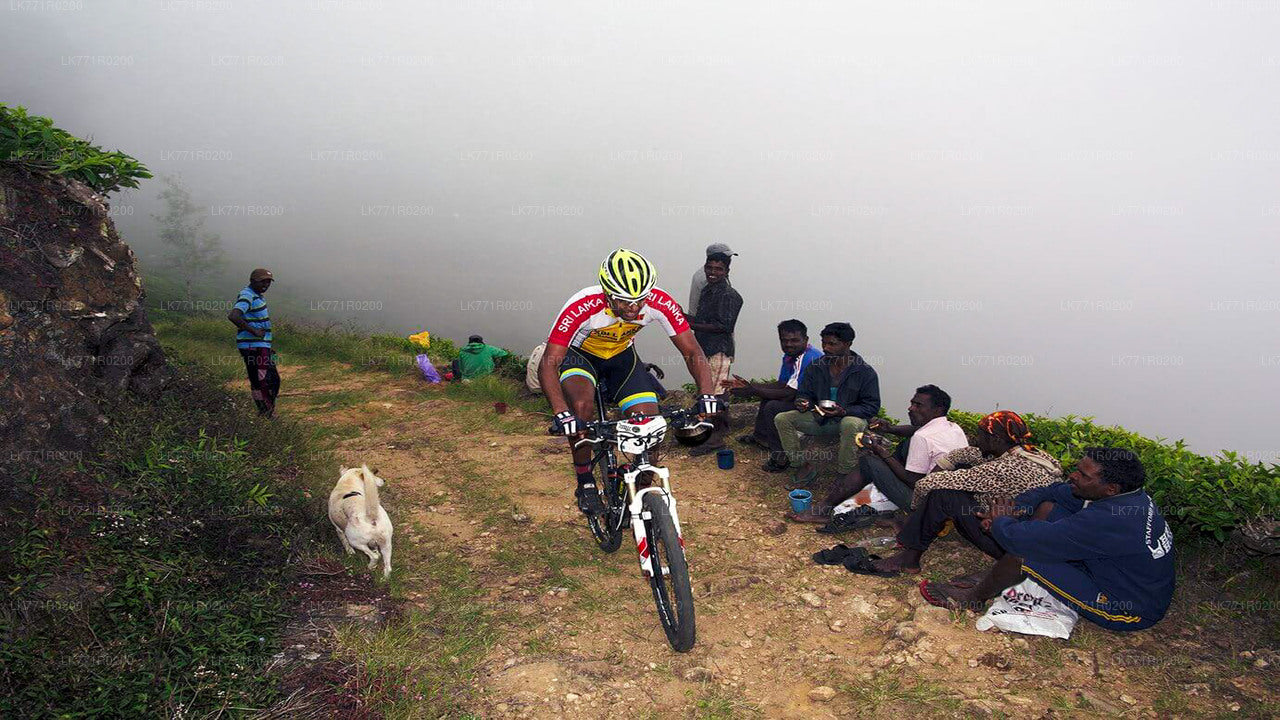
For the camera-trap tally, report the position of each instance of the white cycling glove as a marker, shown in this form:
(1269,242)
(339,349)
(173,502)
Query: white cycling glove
(567,423)
(709,404)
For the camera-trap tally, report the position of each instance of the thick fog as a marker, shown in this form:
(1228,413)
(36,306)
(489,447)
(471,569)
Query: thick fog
(1053,207)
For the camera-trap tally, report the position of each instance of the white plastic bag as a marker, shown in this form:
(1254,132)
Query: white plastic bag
(1029,609)
(870,495)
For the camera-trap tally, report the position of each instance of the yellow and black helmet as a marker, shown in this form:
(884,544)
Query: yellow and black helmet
(626,275)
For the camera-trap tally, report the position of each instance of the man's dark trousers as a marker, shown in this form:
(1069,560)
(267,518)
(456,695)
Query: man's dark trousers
(765,431)
(264,379)
(961,508)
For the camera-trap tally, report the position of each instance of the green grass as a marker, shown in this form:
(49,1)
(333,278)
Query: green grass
(421,664)
(717,702)
(157,581)
(890,691)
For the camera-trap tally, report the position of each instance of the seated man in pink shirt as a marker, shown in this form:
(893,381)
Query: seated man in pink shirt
(929,436)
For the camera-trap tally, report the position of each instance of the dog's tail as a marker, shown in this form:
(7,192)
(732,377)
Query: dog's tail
(371,504)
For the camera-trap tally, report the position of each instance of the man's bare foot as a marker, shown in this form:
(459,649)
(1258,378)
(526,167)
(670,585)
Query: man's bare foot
(807,517)
(945,596)
(966,582)
(907,561)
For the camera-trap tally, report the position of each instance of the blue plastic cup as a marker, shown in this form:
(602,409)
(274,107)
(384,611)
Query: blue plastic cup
(801,500)
(724,458)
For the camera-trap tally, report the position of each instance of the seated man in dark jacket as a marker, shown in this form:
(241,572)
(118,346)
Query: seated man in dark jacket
(841,377)
(1098,543)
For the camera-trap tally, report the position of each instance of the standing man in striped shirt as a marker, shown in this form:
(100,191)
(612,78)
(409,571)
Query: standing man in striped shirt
(249,315)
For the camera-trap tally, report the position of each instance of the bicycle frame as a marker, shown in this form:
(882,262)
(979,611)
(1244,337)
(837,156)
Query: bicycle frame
(609,450)
(635,506)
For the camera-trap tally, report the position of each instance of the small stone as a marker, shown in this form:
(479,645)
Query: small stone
(1128,700)
(311,656)
(1021,644)
(811,599)
(932,616)
(835,590)
(571,697)
(745,644)
(822,694)
(1019,700)
(1261,664)
(502,708)
(954,649)
(775,529)
(836,626)
(519,517)
(698,674)
(973,663)
(907,633)
(454,659)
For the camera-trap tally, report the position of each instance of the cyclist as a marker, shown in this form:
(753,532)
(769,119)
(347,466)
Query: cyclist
(591,341)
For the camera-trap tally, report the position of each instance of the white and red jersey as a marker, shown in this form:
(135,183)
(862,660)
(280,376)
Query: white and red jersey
(587,323)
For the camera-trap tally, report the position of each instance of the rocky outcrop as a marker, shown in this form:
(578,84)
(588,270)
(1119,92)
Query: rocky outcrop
(74,334)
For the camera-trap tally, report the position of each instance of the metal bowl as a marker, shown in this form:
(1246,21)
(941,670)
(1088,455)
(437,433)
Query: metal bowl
(827,406)
(691,435)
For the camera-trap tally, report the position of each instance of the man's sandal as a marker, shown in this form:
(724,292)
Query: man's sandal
(833,556)
(860,563)
(933,595)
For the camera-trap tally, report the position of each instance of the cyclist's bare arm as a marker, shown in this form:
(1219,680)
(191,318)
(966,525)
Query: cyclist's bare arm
(549,376)
(696,361)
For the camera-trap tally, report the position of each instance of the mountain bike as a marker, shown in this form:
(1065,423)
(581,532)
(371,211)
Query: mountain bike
(640,492)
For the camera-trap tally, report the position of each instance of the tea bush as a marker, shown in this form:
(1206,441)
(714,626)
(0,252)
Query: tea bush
(33,142)
(153,582)
(1201,496)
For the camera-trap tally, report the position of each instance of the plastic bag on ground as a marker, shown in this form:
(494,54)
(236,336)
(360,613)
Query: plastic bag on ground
(869,495)
(428,370)
(1029,609)
(422,339)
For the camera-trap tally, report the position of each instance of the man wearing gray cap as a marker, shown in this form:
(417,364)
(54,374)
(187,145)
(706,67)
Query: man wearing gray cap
(253,338)
(700,278)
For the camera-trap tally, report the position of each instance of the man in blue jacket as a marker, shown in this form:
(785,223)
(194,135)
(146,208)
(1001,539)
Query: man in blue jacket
(849,386)
(1098,543)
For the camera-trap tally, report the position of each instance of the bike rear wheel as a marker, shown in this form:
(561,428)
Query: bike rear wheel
(670,580)
(607,528)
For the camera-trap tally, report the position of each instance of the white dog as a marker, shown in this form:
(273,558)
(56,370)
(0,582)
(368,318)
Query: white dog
(358,517)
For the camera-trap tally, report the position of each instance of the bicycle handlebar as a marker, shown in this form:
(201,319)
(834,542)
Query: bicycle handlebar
(596,426)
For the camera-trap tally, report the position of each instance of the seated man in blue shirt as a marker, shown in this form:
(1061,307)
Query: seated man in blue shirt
(777,397)
(1097,542)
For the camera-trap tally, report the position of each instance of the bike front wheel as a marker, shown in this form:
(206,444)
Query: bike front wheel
(670,578)
(607,528)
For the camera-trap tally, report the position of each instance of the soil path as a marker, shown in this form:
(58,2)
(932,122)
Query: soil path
(778,636)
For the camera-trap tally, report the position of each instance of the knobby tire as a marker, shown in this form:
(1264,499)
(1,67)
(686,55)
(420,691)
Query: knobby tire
(607,528)
(671,591)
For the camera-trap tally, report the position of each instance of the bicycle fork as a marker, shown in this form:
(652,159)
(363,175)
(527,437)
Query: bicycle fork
(639,514)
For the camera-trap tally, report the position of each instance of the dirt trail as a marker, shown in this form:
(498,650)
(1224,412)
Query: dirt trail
(580,636)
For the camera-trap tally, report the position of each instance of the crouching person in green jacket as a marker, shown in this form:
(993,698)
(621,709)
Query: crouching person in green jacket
(475,359)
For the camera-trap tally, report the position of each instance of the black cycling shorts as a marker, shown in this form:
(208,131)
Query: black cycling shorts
(625,382)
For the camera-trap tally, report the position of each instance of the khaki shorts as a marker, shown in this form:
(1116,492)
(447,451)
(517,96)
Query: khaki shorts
(720,371)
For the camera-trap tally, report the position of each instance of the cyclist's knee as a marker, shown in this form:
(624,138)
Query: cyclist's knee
(584,408)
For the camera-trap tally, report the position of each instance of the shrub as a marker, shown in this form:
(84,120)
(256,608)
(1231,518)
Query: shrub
(33,142)
(154,585)
(1201,496)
